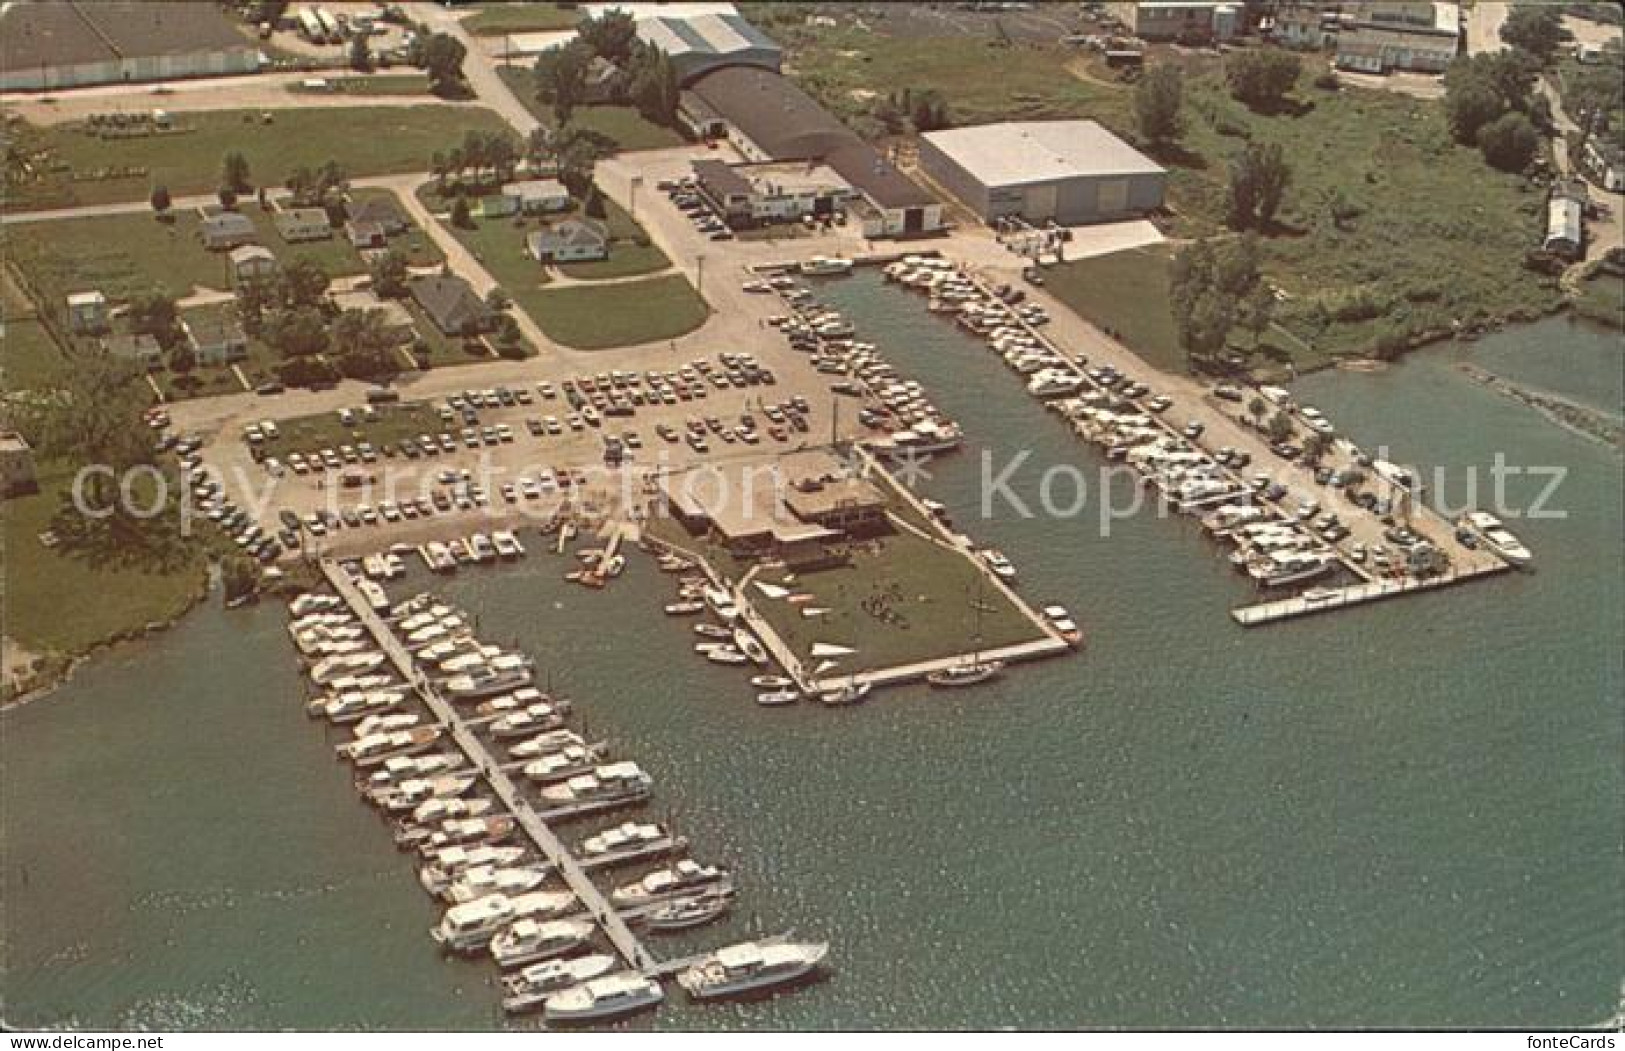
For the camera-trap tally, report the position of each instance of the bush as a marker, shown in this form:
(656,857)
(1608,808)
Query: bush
(1326,80)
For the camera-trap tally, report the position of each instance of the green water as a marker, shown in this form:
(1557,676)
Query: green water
(1406,814)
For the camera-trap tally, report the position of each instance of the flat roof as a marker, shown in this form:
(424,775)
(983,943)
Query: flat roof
(72,32)
(1040,151)
(748,498)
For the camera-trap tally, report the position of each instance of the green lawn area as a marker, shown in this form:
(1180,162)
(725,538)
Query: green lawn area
(630,252)
(623,124)
(496,19)
(307,434)
(122,255)
(1602,298)
(335,255)
(364,140)
(31,357)
(64,602)
(374,84)
(1126,292)
(619,315)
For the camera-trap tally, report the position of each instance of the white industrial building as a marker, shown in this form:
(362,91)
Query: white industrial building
(1069,171)
(76,43)
(701,43)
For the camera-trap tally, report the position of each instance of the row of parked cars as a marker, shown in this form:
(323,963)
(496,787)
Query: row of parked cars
(685,195)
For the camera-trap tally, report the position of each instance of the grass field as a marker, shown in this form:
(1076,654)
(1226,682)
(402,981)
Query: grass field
(307,434)
(623,124)
(618,315)
(630,251)
(1126,292)
(30,358)
(1602,298)
(363,140)
(62,602)
(496,19)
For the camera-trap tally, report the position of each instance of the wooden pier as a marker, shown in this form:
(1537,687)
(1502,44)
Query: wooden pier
(1342,598)
(552,848)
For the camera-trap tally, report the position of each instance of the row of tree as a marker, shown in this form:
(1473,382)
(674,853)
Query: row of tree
(1489,105)
(648,80)
(1216,287)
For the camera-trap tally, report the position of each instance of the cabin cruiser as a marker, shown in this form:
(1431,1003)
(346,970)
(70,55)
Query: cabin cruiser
(609,997)
(446,865)
(529,940)
(410,793)
(922,438)
(965,673)
(1054,383)
(722,653)
(470,926)
(481,684)
(749,645)
(348,707)
(696,910)
(1495,536)
(556,766)
(386,722)
(444,808)
(685,608)
(545,743)
(771,682)
(1000,565)
(825,266)
(468,831)
(528,721)
(614,783)
(778,698)
(1063,624)
(628,842)
(680,879)
(751,966)
(313,602)
(393,772)
(325,671)
(851,693)
(713,631)
(484,880)
(1290,567)
(376,748)
(523,697)
(530,986)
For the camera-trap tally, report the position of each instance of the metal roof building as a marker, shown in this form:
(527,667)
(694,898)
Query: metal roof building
(73,43)
(1071,171)
(705,42)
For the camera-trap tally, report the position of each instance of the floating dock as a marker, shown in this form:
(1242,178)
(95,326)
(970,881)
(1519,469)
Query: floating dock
(1342,598)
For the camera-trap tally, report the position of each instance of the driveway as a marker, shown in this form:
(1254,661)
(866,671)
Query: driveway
(1484,20)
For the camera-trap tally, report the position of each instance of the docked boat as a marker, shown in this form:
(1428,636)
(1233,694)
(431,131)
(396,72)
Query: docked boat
(413,791)
(713,631)
(469,831)
(1290,567)
(403,768)
(1495,536)
(536,718)
(479,685)
(470,926)
(629,842)
(771,682)
(529,987)
(484,880)
(725,654)
(347,707)
(825,266)
(681,914)
(1063,624)
(518,700)
(778,698)
(684,609)
(749,645)
(326,670)
(965,673)
(851,693)
(445,808)
(377,748)
(529,940)
(751,967)
(998,563)
(614,996)
(386,722)
(556,766)
(685,877)
(544,744)
(610,785)
(446,865)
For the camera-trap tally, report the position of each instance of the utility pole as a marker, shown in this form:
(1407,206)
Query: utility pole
(632,200)
(699,274)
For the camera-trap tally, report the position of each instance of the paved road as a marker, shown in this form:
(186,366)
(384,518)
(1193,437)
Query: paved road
(478,67)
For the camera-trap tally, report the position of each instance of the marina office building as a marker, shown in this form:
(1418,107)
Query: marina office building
(1068,171)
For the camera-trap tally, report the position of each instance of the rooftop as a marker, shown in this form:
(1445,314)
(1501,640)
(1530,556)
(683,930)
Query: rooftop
(704,34)
(1040,151)
(11,442)
(73,32)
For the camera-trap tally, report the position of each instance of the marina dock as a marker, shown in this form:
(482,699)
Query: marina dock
(1358,594)
(614,926)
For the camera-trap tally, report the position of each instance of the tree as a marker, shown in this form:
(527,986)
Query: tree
(443,56)
(181,359)
(239,575)
(1156,103)
(507,337)
(1261,77)
(1279,427)
(96,419)
(652,85)
(1315,447)
(361,54)
(1470,104)
(155,315)
(389,274)
(297,333)
(928,111)
(227,197)
(1258,181)
(303,283)
(594,205)
(1509,143)
(561,78)
(160,199)
(1537,29)
(1480,88)
(459,214)
(234,173)
(497,299)
(1214,286)
(1256,407)
(364,345)
(612,35)
(577,151)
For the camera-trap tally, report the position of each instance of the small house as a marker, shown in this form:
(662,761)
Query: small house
(303,224)
(226,230)
(572,241)
(140,348)
(452,305)
(380,210)
(16,465)
(539,195)
(1565,221)
(251,263)
(87,312)
(397,320)
(215,339)
(366,234)
(497,206)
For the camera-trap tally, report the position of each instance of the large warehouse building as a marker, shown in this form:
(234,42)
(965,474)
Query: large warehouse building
(1069,171)
(75,43)
(705,42)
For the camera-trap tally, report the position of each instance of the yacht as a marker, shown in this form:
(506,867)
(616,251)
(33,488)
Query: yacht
(530,940)
(556,766)
(680,879)
(481,684)
(529,987)
(445,866)
(469,831)
(530,720)
(1000,565)
(470,926)
(386,722)
(609,997)
(751,966)
(413,791)
(518,700)
(1290,567)
(922,438)
(825,266)
(965,673)
(324,671)
(1054,383)
(392,772)
(1500,540)
(851,693)
(376,748)
(444,808)
(341,708)
(545,743)
(484,880)
(628,842)
(681,914)
(1063,624)
(609,785)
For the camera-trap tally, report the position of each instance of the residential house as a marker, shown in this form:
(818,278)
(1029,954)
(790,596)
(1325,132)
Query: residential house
(452,305)
(539,195)
(303,224)
(396,318)
(87,312)
(572,241)
(365,235)
(16,465)
(226,230)
(215,338)
(497,205)
(251,263)
(605,81)
(1605,164)
(381,210)
(140,348)
(1565,220)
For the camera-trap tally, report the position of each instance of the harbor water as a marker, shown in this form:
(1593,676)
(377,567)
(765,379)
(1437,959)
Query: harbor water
(1405,814)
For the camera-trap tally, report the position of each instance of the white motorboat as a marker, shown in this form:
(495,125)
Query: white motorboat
(713,631)
(324,671)
(530,986)
(681,914)
(684,609)
(530,720)
(479,685)
(685,877)
(519,699)
(376,748)
(544,743)
(349,706)
(623,840)
(1000,565)
(393,772)
(469,831)
(825,266)
(1063,624)
(771,682)
(750,967)
(386,722)
(556,766)
(1500,540)
(777,698)
(470,926)
(851,693)
(444,866)
(725,654)
(409,793)
(965,673)
(444,808)
(529,940)
(484,880)
(749,645)
(613,996)
(611,783)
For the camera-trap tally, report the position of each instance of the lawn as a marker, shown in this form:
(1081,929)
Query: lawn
(122,255)
(619,315)
(31,357)
(1126,292)
(307,434)
(363,140)
(630,251)
(63,602)
(1602,298)
(496,19)
(625,125)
